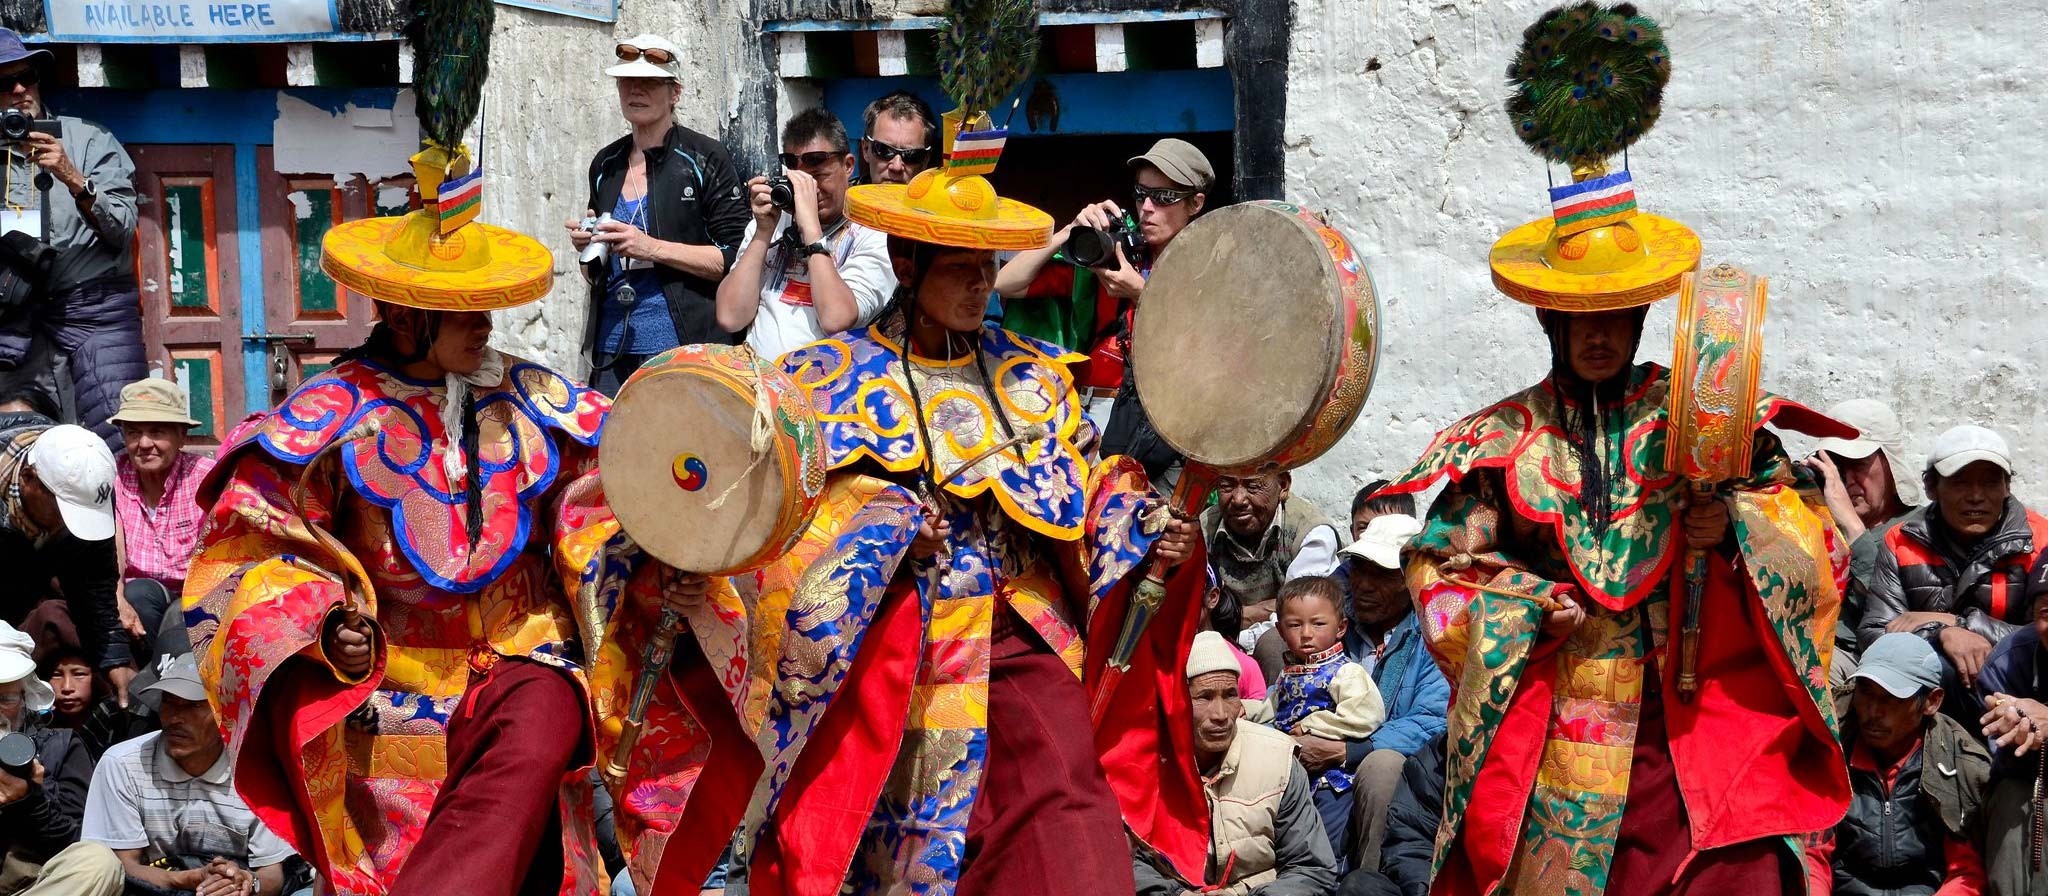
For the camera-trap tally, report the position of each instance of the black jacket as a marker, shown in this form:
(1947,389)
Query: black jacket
(45,821)
(1893,841)
(1921,568)
(694,197)
(1412,819)
(87,573)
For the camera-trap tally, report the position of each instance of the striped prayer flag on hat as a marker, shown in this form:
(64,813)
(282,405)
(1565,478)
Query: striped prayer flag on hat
(975,152)
(1587,204)
(460,200)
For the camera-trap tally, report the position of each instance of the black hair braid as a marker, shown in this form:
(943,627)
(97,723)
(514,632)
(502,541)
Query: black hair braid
(1587,411)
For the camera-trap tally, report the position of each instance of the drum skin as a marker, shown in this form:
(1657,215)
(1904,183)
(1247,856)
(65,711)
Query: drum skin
(1716,357)
(679,437)
(1256,340)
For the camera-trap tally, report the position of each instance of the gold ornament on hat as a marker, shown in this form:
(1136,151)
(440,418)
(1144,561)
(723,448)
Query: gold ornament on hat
(1588,83)
(440,257)
(985,52)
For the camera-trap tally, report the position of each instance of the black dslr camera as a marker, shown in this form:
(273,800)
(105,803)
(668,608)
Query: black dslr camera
(16,125)
(781,193)
(1093,248)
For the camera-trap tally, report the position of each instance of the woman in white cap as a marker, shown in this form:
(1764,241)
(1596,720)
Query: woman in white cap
(678,214)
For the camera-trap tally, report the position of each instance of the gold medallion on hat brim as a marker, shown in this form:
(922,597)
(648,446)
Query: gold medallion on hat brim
(406,261)
(962,212)
(1665,251)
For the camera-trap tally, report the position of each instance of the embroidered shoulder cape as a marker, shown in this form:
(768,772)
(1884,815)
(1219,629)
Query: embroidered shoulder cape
(1541,733)
(870,671)
(347,770)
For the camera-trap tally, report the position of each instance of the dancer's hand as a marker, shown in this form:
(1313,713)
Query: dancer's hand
(347,644)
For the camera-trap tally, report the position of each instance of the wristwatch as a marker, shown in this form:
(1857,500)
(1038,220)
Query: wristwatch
(809,249)
(87,195)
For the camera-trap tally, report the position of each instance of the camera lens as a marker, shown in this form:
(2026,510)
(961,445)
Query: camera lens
(780,193)
(1089,248)
(15,124)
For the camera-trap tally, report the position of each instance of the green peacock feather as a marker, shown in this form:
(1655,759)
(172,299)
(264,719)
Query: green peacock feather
(451,47)
(986,50)
(1588,81)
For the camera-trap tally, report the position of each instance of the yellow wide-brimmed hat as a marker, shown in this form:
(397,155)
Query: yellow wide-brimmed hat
(1624,264)
(953,204)
(439,257)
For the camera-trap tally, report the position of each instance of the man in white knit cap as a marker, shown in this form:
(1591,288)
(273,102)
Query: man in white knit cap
(1264,833)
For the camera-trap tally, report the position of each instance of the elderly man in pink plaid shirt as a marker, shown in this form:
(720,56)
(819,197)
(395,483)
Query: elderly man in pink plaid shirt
(155,487)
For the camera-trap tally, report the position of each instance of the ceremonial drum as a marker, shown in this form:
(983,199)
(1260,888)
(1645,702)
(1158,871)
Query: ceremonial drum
(1719,350)
(712,459)
(1255,343)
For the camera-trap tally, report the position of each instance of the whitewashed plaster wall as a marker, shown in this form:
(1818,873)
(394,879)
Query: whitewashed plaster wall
(549,108)
(1881,162)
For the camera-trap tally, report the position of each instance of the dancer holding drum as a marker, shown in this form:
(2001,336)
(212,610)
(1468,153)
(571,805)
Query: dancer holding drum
(1551,576)
(412,613)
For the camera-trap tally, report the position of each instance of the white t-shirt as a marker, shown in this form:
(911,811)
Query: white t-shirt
(141,799)
(787,319)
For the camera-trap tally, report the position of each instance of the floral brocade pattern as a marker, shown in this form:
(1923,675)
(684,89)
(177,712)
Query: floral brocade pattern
(348,770)
(1538,810)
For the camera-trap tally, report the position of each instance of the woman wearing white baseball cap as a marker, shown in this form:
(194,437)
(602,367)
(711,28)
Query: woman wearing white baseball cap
(674,214)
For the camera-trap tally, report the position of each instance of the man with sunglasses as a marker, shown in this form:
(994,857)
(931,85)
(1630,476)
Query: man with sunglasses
(898,132)
(807,272)
(678,213)
(93,316)
(1089,309)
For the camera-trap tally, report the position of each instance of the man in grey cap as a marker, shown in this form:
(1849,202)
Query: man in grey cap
(1917,779)
(1955,572)
(1088,309)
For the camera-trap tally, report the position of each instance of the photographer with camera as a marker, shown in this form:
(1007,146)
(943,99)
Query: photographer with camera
(673,215)
(70,203)
(1086,303)
(44,775)
(819,273)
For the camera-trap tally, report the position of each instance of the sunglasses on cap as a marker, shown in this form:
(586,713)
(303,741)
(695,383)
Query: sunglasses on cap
(884,152)
(807,161)
(656,55)
(27,77)
(1162,196)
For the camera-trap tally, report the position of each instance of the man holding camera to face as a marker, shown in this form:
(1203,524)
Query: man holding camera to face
(68,287)
(1087,302)
(804,270)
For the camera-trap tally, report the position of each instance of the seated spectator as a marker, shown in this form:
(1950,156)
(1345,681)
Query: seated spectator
(1258,536)
(1409,850)
(1386,638)
(166,803)
(41,803)
(57,523)
(1322,694)
(1265,835)
(1224,620)
(900,135)
(2016,722)
(1954,572)
(1369,504)
(1866,495)
(84,705)
(809,272)
(1917,780)
(156,489)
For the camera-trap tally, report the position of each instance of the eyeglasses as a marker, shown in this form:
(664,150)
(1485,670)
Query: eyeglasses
(807,161)
(656,55)
(1164,197)
(884,152)
(25,78)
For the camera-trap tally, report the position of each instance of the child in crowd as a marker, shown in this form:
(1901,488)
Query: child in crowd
(1321,692)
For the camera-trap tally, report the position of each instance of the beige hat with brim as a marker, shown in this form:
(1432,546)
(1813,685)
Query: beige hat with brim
(153,400)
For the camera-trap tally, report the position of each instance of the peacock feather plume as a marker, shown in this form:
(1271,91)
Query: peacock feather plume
(1587,82)
(986,50)
(451,47)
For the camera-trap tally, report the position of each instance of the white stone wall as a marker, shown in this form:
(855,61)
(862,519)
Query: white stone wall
(1880,162)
